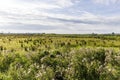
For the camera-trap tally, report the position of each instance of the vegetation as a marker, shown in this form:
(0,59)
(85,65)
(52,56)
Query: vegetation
(59,57)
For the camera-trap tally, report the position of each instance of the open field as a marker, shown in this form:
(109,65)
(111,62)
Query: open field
(59,57)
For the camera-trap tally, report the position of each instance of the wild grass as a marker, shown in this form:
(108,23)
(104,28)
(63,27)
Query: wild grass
(59,57)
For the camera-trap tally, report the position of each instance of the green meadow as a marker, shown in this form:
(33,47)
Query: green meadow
(59,57)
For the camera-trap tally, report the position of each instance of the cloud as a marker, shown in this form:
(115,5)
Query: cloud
(63,3)
(106,2)
(51,22)
(56,22)
(23,5)
(46,4)
(52,16)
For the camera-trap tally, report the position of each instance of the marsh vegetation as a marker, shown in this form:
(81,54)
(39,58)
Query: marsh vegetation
(59,57)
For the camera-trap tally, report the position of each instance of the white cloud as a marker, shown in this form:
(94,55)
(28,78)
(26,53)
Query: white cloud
(21,14)
(106,2)
(14,4)
(63,3)
(85,22)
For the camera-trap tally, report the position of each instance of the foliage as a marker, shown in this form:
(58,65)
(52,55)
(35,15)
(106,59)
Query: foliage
(59,57)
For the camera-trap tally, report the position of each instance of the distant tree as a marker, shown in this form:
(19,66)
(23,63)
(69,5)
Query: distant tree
(113,33)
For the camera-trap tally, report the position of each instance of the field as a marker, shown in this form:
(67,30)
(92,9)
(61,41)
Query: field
(59,57)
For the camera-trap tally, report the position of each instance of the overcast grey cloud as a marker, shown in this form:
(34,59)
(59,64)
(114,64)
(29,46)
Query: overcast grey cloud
(60,16)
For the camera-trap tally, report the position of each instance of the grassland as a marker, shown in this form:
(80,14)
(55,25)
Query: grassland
(59,57)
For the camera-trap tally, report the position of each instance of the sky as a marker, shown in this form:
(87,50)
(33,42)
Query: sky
(60,16)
